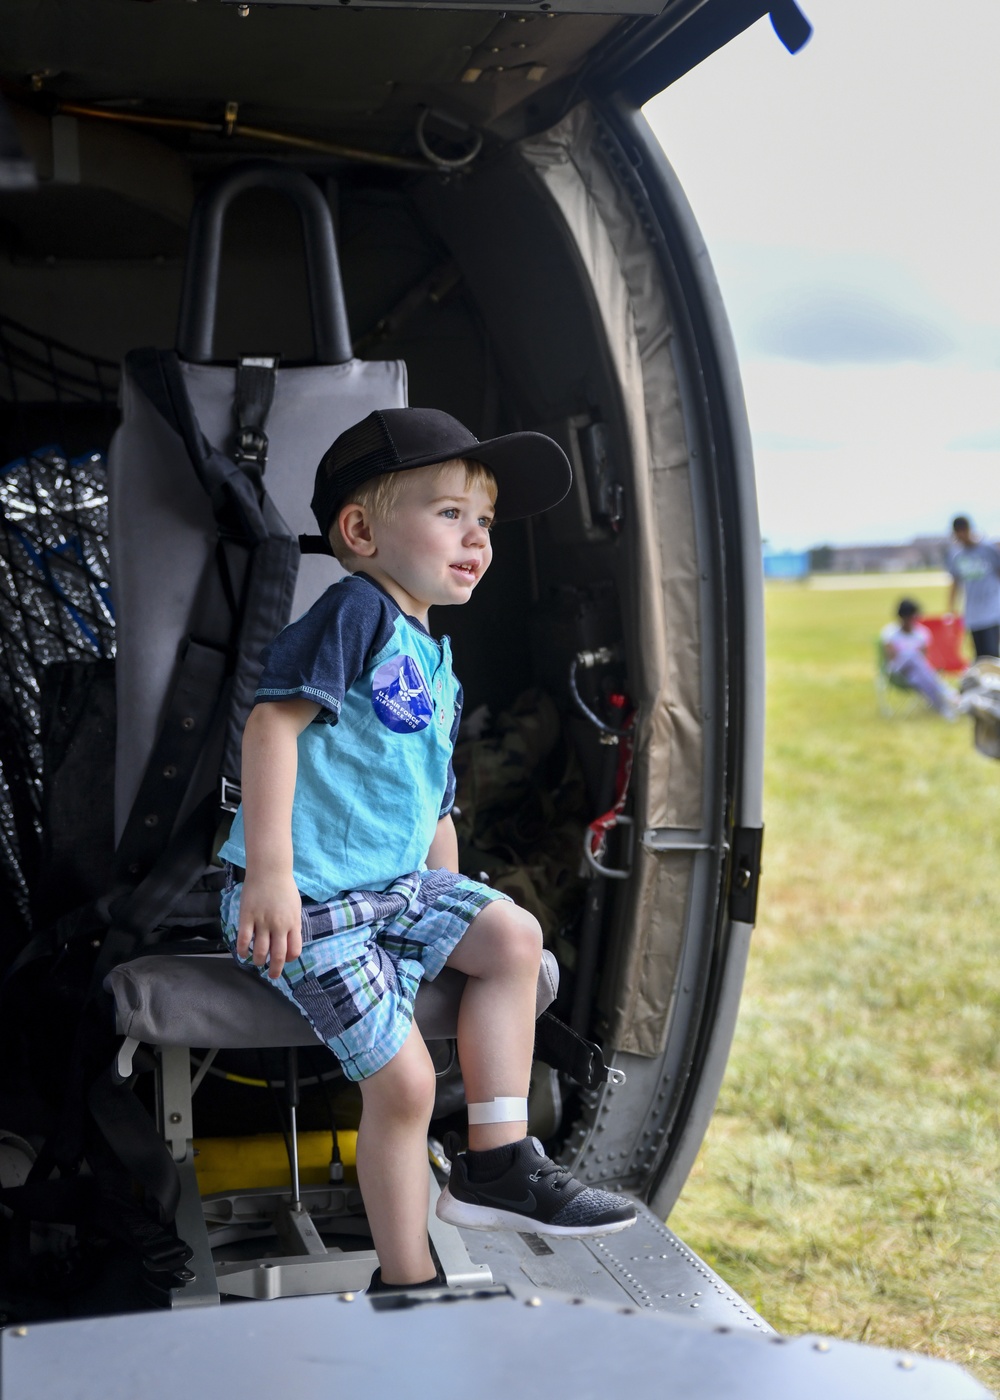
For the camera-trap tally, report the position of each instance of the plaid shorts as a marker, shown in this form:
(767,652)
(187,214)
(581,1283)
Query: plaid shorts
(363,956)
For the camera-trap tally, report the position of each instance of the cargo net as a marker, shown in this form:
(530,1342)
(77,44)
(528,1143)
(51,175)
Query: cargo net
(55,599)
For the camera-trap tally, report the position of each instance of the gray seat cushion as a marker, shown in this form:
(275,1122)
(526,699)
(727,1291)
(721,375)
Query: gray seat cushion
(208,1000)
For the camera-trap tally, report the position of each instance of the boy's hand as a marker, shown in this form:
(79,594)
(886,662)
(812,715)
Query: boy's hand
(270,919)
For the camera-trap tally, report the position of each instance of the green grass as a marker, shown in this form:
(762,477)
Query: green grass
(850,1181)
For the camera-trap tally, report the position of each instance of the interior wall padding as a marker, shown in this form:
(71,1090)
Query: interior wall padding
(666,669)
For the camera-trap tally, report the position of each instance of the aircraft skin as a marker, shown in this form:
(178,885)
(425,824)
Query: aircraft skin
(509,231)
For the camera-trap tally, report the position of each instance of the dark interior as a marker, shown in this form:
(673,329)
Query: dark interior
(502,339)
(459,267)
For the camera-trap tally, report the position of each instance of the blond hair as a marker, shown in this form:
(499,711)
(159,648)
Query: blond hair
(379,496)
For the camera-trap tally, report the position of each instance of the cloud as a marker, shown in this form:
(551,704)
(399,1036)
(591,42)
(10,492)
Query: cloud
(986,441)
(839,309)
(825,324)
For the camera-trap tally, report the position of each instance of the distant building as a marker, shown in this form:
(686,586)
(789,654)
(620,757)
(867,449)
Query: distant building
(927,552)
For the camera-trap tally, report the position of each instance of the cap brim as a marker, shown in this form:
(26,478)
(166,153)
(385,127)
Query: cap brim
(532,471)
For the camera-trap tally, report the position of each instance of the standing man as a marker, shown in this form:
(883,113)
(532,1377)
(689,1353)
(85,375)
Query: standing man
(974,566)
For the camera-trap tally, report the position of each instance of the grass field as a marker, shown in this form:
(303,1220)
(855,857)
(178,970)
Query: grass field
(850,1181)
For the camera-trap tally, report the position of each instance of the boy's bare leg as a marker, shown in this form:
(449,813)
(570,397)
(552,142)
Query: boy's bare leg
(392,1161)
(501,953)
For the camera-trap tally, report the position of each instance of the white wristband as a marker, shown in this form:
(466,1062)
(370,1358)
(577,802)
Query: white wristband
(499,1111)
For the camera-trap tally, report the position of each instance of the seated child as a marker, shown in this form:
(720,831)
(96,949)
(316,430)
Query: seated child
(904,644)
(343,888)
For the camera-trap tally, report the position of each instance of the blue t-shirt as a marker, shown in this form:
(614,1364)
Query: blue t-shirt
(374,767)
(977,569)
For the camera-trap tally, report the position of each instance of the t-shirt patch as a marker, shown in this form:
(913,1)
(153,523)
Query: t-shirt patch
(401,697)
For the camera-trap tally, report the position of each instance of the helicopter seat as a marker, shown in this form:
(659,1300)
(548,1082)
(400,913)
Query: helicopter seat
(178,1002)
(210,476)
(213,466)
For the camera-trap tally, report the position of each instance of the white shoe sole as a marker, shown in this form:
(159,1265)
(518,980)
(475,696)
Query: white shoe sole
(466,1216)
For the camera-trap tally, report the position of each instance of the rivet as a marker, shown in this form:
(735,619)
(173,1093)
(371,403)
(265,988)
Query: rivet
(20,1331)
(242,11)
(150,820)
(821,1346)
(187,722)
(347,1297)
(532,1302)
(170,771)
(907,1364)
(175,1117)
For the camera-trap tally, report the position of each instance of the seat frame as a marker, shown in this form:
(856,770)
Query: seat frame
(144,1015)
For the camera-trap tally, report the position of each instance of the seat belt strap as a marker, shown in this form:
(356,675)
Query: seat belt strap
(198,685)
(243,602)
(255,377)
(565,1050)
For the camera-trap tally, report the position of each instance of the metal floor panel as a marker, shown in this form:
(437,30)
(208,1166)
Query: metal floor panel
(493,1344)
(646,1266)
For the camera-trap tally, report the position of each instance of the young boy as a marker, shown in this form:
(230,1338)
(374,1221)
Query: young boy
(905,645)
(345,886)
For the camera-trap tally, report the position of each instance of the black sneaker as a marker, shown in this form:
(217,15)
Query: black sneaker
(378,1285)
(532,1195)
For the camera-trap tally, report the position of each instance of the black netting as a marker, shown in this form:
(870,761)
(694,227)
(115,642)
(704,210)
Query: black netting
(58,411)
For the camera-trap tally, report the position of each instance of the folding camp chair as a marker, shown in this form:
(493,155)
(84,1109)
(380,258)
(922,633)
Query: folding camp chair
(945,649)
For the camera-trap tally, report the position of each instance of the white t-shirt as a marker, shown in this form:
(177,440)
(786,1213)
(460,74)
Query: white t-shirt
(905,645)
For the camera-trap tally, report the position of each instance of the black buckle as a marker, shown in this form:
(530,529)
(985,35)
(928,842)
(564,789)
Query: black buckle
(251,446)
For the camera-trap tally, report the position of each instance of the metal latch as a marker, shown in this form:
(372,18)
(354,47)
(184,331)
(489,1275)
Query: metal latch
(745,878)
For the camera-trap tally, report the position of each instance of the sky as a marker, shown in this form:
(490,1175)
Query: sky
(849,196)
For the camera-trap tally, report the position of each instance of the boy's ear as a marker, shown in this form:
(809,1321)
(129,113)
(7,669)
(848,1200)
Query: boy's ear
(356,530)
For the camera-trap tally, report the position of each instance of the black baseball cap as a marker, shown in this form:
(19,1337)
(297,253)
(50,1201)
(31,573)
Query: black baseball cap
(532,472)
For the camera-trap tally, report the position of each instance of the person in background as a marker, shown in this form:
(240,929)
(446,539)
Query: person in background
(974,566)
(905,644)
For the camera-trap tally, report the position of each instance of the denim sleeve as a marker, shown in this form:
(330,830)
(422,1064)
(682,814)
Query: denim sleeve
(321,655)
